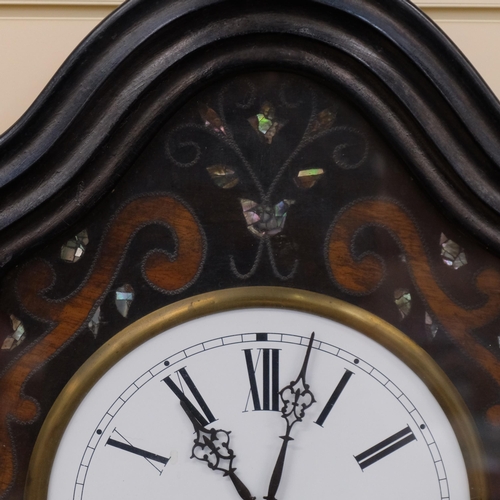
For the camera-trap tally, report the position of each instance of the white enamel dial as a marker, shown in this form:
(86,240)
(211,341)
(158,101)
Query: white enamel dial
(374,431)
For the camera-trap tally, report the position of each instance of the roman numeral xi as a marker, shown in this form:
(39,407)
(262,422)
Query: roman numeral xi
(205,416)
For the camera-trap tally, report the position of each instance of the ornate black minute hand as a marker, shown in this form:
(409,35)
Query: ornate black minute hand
(296,399)
(212,446)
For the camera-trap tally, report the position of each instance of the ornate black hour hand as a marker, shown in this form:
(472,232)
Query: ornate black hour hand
(296,398)
(212,446)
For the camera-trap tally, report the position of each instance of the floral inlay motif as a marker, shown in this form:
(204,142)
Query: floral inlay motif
(270,143)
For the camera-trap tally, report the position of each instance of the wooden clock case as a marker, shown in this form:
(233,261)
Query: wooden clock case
(343,147)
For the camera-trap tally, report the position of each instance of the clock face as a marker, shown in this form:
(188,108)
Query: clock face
(249,403)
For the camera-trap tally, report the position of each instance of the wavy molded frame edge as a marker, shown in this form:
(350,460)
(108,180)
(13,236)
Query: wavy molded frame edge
(47,182)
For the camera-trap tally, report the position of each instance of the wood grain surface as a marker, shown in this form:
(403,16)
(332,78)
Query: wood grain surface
(68,316)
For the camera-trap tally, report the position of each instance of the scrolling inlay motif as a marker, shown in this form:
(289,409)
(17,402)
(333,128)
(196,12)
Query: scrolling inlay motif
(68,316)
(362,275)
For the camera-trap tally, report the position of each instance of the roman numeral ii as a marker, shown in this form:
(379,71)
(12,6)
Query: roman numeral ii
(385,447)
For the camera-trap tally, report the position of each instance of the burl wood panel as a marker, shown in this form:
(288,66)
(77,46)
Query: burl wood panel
(363,275)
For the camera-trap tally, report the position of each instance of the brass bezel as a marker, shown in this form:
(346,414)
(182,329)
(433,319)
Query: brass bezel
(251,297)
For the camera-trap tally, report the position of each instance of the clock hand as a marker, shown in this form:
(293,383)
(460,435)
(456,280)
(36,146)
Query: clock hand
(212,446)
(296,398)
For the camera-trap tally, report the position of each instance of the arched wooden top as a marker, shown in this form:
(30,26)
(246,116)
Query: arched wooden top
(109,98)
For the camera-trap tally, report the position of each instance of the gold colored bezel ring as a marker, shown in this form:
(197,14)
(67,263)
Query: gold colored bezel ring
(245,298)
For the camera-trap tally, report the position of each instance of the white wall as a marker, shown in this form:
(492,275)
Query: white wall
(37,35)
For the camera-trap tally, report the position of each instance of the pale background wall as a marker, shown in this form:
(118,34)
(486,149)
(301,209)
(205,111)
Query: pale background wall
(37,35)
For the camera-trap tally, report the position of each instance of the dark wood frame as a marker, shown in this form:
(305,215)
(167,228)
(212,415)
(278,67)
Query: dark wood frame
(142,62)
(115,92)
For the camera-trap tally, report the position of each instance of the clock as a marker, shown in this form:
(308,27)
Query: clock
(346,148)
(259,392)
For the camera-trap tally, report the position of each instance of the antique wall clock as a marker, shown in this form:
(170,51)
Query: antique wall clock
(262,170)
